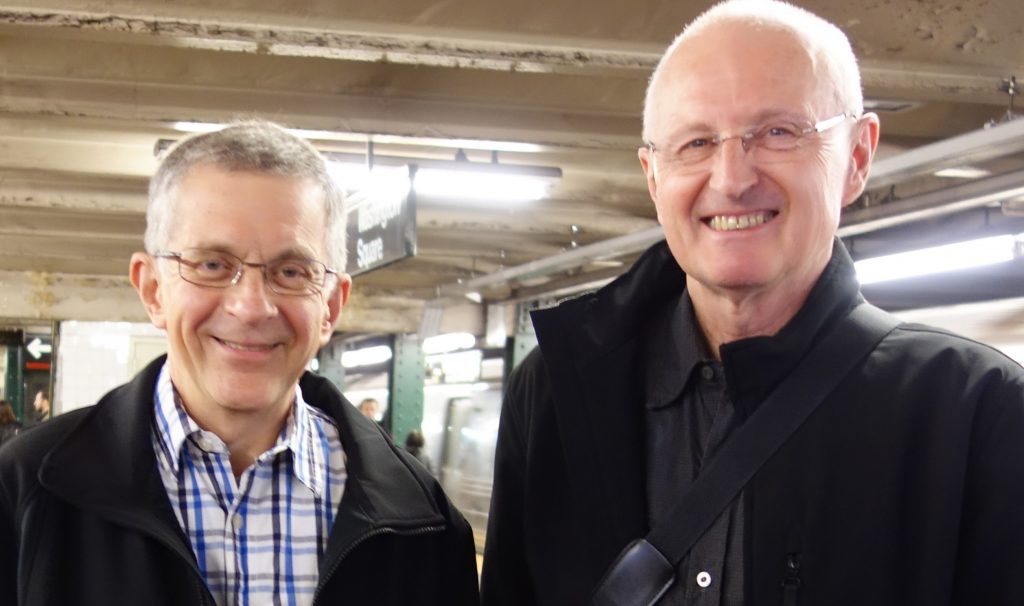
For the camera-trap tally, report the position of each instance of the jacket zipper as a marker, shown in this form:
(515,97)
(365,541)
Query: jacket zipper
(363,538)
(791,584)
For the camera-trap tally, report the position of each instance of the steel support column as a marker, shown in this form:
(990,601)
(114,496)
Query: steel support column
(405,409)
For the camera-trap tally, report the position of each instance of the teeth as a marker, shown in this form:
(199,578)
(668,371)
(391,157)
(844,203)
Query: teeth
(732,222)
(241,347)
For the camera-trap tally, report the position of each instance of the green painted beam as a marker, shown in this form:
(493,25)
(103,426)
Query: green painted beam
(405,408)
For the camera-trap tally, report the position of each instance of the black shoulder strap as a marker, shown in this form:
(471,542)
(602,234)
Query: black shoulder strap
(646,568)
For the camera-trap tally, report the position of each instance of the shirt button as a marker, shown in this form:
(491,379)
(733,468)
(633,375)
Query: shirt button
(707,372)
(237,522)
(703,579)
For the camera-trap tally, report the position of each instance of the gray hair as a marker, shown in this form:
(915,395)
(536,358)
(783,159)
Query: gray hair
(828,46)
(252,145)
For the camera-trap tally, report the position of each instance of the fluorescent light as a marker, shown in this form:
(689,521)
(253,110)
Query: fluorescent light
(330,135)
(196,127)
(381,183)
(889,105)
(448,342)
(962,172)
(480,185)
(480,144)
(476,182)
(937,259)
(367,356)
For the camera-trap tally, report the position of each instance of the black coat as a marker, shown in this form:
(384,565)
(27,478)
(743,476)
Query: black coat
(9,430)
(85,519)
(904,488)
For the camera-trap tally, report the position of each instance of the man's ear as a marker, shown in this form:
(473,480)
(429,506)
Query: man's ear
(865,143)
(646,157)
(145,277)
(333,303)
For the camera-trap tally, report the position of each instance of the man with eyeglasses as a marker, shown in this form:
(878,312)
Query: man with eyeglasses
(224,474)
(727,423)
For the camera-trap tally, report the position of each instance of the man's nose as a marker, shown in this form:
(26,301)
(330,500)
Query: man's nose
(250,298)
(732,168)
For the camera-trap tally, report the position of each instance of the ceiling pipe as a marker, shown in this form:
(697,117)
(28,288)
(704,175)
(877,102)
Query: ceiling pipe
(976,146)
(933,204)
(576,257)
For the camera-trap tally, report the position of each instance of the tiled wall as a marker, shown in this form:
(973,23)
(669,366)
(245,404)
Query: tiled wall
(95,357)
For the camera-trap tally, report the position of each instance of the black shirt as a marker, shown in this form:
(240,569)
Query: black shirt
(689,415)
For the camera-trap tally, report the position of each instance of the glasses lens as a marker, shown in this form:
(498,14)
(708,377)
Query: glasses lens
(691,150)
(208,267)
(296,276)
(779,136)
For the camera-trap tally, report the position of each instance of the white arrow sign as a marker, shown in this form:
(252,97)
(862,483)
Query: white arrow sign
(37,348)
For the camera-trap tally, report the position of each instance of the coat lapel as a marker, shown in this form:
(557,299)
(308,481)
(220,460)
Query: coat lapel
(594,349)
(107,465)
(381,491)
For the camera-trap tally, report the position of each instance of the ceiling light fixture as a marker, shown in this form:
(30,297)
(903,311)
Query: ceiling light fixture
(448,342)
(356,137)
(889,105)
(367,356)
(480,185)
(449,179)
(939,259)
(962,172)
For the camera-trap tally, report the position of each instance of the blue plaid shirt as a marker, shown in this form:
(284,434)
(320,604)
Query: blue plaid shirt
(258,540)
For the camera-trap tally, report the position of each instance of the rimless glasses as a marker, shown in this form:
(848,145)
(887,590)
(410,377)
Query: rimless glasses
(770,142)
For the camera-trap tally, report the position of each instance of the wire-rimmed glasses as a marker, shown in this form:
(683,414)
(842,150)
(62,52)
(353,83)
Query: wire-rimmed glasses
(294,276)
(770,142)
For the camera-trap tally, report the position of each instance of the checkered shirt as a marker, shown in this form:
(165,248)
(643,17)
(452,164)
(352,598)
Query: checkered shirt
(257,540)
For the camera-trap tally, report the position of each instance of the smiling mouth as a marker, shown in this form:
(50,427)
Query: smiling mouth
(738,222)
(245,347)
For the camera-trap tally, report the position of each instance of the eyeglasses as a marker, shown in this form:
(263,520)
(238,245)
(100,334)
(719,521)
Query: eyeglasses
(771,142)
(218,269)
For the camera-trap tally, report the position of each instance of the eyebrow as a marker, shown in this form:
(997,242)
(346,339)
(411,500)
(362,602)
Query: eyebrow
(759,119)
(288,253)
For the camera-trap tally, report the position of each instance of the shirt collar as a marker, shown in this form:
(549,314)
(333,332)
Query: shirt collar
(172,425)
(675,348)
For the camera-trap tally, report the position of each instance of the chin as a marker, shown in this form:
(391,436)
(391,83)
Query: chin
(253,397)
(738,277)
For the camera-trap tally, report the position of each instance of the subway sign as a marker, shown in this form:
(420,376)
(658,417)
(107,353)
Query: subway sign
(381,223)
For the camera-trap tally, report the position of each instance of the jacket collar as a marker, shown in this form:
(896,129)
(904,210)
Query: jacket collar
(593,349)
(675,349)
(107,465)
(594,352)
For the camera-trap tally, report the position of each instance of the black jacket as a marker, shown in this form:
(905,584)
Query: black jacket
(85,519)
(904,488)
(9,430)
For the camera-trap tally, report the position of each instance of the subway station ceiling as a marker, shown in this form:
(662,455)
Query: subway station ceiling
(89,88)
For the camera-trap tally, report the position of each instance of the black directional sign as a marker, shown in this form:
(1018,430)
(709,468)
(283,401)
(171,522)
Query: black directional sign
(381,227)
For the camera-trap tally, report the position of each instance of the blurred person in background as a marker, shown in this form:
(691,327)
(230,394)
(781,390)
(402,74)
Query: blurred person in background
(416,444)
(370,408)
(41,405)
(9,425)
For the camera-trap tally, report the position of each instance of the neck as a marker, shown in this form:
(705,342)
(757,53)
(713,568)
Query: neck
(246,434)
(727,316)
